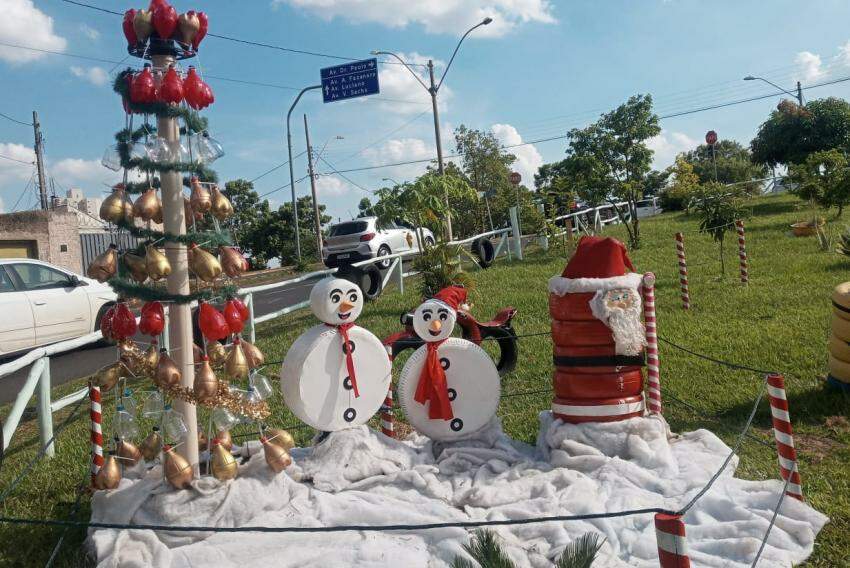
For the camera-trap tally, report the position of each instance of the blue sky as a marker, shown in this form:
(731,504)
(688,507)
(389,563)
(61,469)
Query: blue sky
(538,70)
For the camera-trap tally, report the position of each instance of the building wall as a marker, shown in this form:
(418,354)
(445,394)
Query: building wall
(54,232)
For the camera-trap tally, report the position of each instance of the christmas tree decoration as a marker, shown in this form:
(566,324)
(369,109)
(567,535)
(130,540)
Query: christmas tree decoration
(105,265)
(202,30)
(193,89)
(449,388)
(191,214)
(111,158)
(130,354)
(167,373)
(175,426)
(223,419)
(223,464)
(125,424)
(106,323)
(203,264)
(206,148)
(236,364)
(336,374)
(188,25)
(108,376)
(199,197)
(212,323)
(127,26)
(203,443)
(128,452)
(152,445)
(220,205)
(280,437)
(262,385)
(109,475)
(224,438)
(233,317)
(123,322)
(171,90)
(253,356)
(150,358)
(116,208)
(232,261)
(143,85)
(217,353)
(143,24)
(128,401)
(147,206)
(597,334)
(136,265)
(178,471)
(276,456)
(156,263)
(206,383)
(164,20)
(152,319)
(153,406)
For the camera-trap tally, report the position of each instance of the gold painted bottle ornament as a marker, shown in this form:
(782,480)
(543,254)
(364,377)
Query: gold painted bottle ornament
(188,24)
(223,464)
(236,365)
(199,197)
(116,207)
(206,383)
(136,265)
(150,358)
(232,261)
(277,458)
(105,265)
(280,437)
(167,372)
(253,355)
(129,453)
(189,213)
(147,205)
(143,24)
(109,475)
(151,445)
(217,353)
(156,264)
(130,354)
(107,377)
(220,205)
(203,264)
(178,471)
(224,438)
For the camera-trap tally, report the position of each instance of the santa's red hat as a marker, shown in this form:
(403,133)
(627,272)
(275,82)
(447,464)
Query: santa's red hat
(453,296)
(599,263)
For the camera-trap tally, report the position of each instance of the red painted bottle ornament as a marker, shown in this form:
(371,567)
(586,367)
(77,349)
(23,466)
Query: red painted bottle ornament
(243,309)
(233,316)
(142,87)
(164,20)
(171,90)
(127,26)
(152,320)
(156,4)
(106,323)
(123,323)
(193,89)
(202,30)
(212,323)
(209,98)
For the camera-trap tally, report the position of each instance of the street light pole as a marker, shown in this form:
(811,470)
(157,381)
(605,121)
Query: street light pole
(292,172)
(798,95)
(312,172)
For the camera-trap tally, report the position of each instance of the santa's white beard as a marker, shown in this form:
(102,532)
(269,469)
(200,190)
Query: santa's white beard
(627,329)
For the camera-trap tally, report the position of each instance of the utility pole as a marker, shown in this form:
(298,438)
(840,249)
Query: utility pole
(39,160)
(312,173)
(440,166)
(799,94)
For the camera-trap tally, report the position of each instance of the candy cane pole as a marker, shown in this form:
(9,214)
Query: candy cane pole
(96,431)
(683,271)
(387,426)
(784,435)
(742,252)
(653,387)
(672,546)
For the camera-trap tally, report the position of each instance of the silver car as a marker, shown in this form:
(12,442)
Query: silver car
(366,237)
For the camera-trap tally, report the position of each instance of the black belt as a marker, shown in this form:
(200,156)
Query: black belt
(839,307)
(600,361)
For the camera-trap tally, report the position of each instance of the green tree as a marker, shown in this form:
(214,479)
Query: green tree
(555,188)
(792,132)
(685,185)
(274,237)
(718,209)
(823,179)
(249,213)
(655,181)
(364,208)
(734,164)
(613,156)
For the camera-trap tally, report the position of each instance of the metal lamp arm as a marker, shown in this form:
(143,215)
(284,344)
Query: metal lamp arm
(777,86)
(406,66)
(452,58)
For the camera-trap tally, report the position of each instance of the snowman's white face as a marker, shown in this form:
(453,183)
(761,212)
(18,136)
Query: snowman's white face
(433,320)
(336,301)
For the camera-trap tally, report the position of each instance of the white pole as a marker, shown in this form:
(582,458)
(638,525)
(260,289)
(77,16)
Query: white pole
(45,414)
(515,233)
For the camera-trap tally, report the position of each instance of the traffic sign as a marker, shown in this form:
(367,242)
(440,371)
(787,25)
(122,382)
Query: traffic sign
(350,80)
(515,178)
(711,137)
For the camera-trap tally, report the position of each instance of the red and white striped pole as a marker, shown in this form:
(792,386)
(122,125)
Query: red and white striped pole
(653,386)
(96,415)
(742,252)
(784,435)
(683,271)
(387,426)
(672,545)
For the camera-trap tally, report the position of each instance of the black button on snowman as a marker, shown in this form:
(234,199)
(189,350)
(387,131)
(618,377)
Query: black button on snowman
(336,374)
(449,388)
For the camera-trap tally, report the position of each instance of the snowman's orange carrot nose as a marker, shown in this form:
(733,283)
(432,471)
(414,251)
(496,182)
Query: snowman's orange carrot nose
(435,325)
(345,306)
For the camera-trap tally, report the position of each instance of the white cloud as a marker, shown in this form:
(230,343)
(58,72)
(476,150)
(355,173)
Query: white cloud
(402,150)
(89,32)
(400,84)
(436,16)
(667,146)
(2,205)
(94,75)
(331,186)
(528,159)
(810,65)
(15,171)
(24,24)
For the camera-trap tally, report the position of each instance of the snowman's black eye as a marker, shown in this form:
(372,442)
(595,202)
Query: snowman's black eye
(336,297)
(352,297)
(426,316)
(444,316)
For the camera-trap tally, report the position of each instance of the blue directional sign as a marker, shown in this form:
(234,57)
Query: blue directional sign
(349,81)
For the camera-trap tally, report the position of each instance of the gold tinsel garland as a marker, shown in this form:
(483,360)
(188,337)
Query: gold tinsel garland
(224,398)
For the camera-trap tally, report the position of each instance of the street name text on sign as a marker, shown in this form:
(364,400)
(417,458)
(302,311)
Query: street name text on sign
(350,80)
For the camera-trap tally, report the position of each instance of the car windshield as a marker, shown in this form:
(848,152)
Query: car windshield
(35,276)
(350,228)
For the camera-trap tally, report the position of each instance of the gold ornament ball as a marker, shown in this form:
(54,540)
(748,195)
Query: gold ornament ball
(223,463)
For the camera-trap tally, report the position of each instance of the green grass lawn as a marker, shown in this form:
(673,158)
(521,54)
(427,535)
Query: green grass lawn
(780,321)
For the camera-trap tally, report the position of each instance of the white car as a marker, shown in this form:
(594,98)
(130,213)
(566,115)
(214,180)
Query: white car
(366,237)
(41,303)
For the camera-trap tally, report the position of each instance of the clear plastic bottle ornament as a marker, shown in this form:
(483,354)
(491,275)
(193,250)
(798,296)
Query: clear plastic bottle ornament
(205,148)
(175,427)
(138,151)
(262,386)
(153,406)
(111,159)
(125,424)
(128,402)
(224,419)
(159,150)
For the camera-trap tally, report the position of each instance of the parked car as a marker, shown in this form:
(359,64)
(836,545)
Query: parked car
(41,304)
(364,238)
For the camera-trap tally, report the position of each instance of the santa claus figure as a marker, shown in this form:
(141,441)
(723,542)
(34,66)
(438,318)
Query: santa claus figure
(336,374)
(449,388)
(598,334)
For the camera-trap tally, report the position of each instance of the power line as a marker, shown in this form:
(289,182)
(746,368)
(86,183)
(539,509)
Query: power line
(23,193)
(345,177)
(277,167)
(16,160)
(284,186)
(7,117)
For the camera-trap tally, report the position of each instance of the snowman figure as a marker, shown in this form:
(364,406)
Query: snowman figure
(449,388)
(336,374)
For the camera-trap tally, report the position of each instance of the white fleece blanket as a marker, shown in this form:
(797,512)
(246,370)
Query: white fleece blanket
(361,477)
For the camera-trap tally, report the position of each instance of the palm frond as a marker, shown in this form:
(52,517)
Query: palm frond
(485,549)
(581,552)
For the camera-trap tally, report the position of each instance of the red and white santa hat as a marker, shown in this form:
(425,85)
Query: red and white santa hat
(452,296)
(598,264)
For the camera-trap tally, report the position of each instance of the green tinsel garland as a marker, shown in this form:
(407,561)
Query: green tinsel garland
(127,288)
(210,239)
(194,122)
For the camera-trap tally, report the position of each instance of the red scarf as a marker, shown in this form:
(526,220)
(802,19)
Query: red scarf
(349,360)
(433,386)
